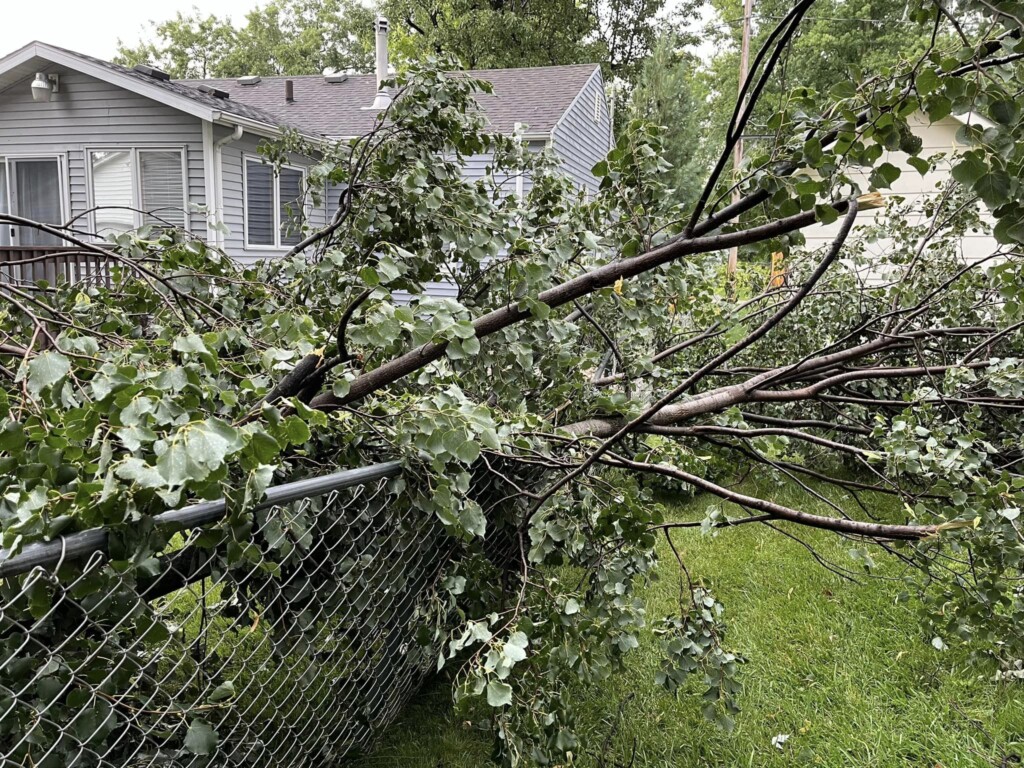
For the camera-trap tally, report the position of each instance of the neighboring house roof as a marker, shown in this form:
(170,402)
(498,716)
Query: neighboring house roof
(534,96)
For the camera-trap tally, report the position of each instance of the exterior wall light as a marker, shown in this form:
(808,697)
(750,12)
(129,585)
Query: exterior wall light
(44,86)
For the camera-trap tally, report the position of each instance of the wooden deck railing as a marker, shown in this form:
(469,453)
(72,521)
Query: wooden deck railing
(24,267)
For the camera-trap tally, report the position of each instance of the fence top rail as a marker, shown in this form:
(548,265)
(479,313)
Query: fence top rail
(84,543)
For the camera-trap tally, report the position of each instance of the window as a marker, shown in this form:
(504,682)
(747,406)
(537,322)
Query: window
(274,203)
(33,188)
(133,187)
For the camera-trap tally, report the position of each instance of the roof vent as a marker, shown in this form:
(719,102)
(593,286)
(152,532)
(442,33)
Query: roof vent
(153,72)
(289,91)
(249,80)
(340,77)
(209,90)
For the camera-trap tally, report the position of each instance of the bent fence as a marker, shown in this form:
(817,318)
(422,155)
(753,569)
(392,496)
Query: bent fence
(298,658)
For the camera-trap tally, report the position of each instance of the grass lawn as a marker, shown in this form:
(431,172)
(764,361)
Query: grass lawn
(842,668)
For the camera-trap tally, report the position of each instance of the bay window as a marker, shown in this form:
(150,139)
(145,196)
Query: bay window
(134,187)
(274,200)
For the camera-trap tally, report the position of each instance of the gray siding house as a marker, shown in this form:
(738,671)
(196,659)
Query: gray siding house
(86,141)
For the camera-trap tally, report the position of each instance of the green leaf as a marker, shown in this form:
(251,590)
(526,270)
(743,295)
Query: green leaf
(843,90)
(296,430)
(1004,112)
(1009,229)
(222,692)
(919,164)
(264,448)
(12,437)
(939,108)
(994,188)
(725,722)
(969,169)
(515,647)
(499,694)
(38,599)
(884,176)
(826,214)
(369,276)
(926,81)
(201,739)
(197,450)
(137,471)
(472,519)
(47,369)
(190,343)
(468,452)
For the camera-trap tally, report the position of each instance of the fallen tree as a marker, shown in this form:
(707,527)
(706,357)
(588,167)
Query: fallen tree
(594,342)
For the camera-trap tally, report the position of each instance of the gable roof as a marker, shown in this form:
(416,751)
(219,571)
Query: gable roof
(37,56)
(535,96)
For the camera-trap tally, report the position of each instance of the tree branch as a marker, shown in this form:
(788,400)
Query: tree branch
(778,511)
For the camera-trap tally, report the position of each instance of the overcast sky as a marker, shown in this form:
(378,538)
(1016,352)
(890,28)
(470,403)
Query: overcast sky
(93,26)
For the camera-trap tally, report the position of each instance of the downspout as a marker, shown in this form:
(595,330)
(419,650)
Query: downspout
(218,165)
(517,130)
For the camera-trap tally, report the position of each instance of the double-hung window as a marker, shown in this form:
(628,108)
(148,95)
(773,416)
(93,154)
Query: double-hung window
(133,187)
(274,201)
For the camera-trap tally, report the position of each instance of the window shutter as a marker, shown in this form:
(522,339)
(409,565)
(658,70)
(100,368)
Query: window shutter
(259,203)
(291,206)
(162,187)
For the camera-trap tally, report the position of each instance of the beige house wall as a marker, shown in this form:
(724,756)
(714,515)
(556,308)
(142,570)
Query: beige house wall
(939,137)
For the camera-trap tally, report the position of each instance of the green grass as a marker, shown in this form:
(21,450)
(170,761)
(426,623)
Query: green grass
(842,668)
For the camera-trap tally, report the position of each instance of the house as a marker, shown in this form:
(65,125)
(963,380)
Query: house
(111,148)
(914,188)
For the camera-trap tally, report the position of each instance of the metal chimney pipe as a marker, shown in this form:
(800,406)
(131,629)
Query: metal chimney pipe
(289,91)
(380,28)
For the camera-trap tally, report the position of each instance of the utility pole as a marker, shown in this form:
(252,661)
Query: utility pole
(737,161)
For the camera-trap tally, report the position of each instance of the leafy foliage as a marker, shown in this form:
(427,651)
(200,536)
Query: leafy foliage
(283,37)
(583,327)
(300,37)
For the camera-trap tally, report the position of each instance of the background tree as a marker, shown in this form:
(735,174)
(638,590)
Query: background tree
(840,41)
(192,46)
(305,37)
(519,33)
(664,95)
(295,37)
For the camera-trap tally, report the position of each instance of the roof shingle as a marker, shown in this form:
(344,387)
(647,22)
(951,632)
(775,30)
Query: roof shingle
(535,96)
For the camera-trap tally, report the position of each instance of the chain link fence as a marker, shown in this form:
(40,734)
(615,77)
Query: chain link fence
(111,655)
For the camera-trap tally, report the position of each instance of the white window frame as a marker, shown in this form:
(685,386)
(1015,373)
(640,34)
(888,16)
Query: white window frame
(134,149)
(62,169)
(277,246)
